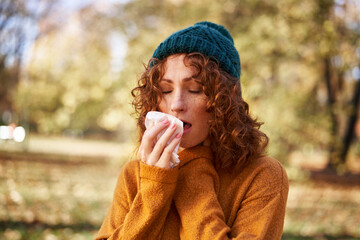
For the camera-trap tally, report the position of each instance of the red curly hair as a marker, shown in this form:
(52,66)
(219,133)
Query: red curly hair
(235,135)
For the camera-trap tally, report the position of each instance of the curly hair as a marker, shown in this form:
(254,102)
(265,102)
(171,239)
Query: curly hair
(235,135)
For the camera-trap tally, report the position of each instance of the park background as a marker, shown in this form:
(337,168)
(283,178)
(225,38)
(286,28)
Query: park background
(67,68)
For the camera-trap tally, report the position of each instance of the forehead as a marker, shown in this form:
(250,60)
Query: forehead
(175,68)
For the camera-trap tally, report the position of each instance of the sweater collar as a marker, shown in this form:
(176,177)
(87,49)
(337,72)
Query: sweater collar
(192,153)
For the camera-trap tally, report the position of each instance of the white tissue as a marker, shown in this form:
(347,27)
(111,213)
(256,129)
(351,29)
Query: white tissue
(155,117)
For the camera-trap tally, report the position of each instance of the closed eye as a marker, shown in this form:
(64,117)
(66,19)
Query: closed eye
(195,91)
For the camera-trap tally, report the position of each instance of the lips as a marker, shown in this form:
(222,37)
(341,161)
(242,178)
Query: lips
(186,126)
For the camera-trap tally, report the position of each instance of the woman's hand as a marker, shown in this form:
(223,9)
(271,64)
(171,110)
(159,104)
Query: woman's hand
(158,153)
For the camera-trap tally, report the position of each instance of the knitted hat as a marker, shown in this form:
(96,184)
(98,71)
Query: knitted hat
(207,38)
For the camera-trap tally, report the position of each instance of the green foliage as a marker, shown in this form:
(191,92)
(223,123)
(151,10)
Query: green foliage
(71,82)
(282,46)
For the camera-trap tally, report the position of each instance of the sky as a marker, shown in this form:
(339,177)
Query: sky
(65,8)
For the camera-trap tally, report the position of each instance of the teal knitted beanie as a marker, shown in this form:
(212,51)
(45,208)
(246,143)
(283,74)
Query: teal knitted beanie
(208,38)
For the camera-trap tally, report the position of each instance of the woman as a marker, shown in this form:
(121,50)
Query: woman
(224,187)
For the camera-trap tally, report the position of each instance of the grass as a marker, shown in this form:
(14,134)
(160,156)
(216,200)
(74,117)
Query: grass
(55,199)
(50,197)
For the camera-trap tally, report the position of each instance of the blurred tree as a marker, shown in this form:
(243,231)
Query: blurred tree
(71,78)
(75,83)
(295,55)
(338,32)
(17,29)
(297,58)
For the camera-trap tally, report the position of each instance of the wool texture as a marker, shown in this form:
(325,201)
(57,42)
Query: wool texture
(196,201)
(208,38)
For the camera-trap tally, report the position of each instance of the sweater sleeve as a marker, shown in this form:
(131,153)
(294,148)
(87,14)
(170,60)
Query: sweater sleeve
(141,203)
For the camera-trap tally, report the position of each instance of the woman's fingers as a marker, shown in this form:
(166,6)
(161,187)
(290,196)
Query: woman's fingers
(158,153)
(149,137)
(162,142)
(164,161)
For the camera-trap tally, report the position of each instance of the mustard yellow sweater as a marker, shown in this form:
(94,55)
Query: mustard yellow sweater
(194,201)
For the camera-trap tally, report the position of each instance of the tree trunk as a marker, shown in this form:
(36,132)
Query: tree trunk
(349,134)
(334,141)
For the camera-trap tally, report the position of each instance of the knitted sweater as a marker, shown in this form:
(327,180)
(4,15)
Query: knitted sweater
(194,201)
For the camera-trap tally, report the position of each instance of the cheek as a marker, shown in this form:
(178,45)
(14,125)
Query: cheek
(203,115)
(201,108)
(163,106)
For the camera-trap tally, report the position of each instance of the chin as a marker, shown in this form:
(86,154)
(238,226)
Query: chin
(189,141)
(187,144)
(184,144)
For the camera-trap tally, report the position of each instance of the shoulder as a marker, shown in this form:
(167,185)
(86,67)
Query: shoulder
(129,173)
(262,173)
(130,168)
(267,166)
(267,175)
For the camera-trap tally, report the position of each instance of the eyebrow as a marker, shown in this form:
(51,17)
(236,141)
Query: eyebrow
(184,79)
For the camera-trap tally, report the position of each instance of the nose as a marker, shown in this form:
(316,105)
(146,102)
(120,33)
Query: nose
(177,103)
